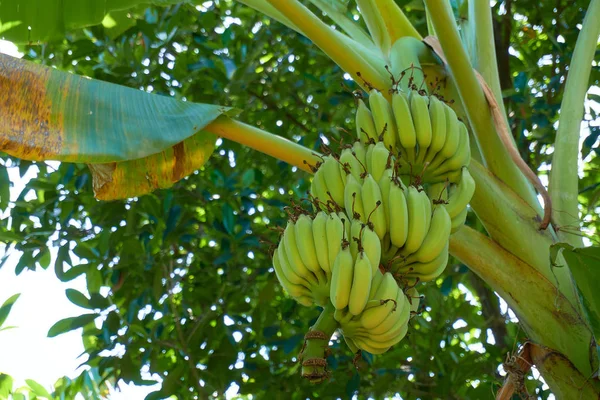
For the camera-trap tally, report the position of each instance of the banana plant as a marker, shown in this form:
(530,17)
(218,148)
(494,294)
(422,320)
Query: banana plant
(135,142)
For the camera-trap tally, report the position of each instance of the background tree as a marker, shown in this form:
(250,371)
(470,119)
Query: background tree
(191,296)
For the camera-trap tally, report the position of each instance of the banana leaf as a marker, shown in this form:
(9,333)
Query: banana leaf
(27,21)
(134,141)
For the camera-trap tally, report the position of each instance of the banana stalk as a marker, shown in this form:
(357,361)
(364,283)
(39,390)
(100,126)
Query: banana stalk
(472,96)
(330,42)
(548,316)
(313,356)
(564,178)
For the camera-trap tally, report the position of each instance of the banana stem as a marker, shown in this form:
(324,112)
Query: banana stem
(471,93)
(375,24)
(265,142)
(544,311)
(484,50)
(564,178)
(316,344)
(395,21)
(495,203)
(349,26)
(267,9)
(327,40)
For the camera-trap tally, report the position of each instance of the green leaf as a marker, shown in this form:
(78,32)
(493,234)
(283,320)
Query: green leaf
(584,264)
(78,298)
(117,22)
(38,389)
(25,21)
(44,258)
(336,10)
(248,178)
(68,324)
(6,384)
(228,218)
(6,307)
(63,257)
(10,237)
(4,188)
(134,142)
(93,279)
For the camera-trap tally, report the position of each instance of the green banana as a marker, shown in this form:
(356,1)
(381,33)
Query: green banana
(371,246)
(417,221)
(351,345)
(427,206)
(368,157)
(361,284)
(347,223)
(293,256)
(404,124)
(383,116)
(287,270)
(305,301)
(426,271)
(356,228)
(353,199)
(335,233)
(319,232)
(374,316)
(438,191)
(306,243)
(398,316)
(461,158)
(459,220)
(342,316)
(437,116)
(341,279)
(318,188)
(375,283)
(373,206)
(334,180)
(399,221)
(462,193)
(293,290)
(420,114)
(365,126)
(351,164)
(360,152)
(360,342)
(379,161)
(437,236)
(385,182)
(450,144)
(388,339)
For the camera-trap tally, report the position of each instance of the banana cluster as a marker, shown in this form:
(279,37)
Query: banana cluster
(304,259)
(424,131)
(354,268)
(413,229)
(384,209)
(384,319)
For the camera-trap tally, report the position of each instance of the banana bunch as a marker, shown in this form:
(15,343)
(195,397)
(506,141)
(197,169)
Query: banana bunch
(423,131)
(307,251)
(351,168)
(418,234)
(384,319)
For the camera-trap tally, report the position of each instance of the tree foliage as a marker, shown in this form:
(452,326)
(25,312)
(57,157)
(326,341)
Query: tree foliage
(179,281)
